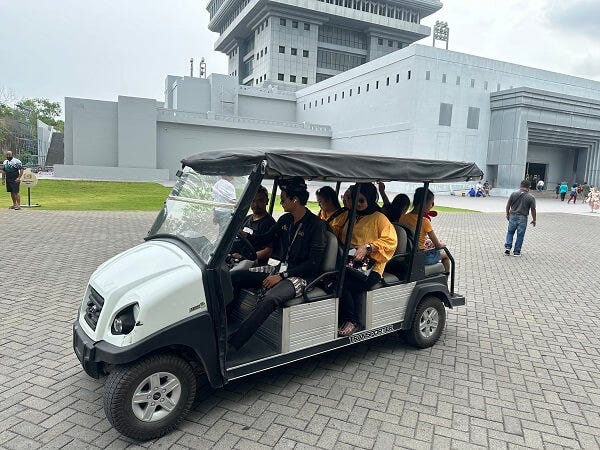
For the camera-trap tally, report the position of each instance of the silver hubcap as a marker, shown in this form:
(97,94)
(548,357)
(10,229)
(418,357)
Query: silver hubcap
(156,397)
(429,322)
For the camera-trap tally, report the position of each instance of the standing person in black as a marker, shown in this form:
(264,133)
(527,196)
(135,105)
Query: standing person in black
(257,228)
(518,207)
(299,242)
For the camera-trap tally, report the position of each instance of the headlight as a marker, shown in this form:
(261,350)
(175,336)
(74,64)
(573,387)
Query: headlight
(124,322)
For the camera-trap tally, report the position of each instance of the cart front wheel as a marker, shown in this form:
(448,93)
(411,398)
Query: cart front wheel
(149,398)
(428,323)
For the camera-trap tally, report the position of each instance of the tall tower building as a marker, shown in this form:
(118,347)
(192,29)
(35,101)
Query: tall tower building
(302,42)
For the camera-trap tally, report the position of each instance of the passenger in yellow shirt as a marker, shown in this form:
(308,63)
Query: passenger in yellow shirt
(373,237)
(409,220)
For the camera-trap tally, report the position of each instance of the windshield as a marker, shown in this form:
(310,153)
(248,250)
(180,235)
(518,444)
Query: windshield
(199,209)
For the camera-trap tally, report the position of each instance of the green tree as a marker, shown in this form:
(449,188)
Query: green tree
(43,109)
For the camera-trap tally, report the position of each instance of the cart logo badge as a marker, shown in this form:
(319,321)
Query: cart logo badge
(369,334)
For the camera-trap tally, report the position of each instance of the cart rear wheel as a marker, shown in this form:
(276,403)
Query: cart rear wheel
(149,398)
(428,323)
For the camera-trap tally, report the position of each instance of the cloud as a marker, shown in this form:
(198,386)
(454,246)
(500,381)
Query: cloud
(588,66)
(575,16)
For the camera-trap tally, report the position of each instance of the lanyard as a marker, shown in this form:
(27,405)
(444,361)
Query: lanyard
(287,254)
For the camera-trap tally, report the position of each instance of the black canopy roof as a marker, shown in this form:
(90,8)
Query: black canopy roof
(327,165)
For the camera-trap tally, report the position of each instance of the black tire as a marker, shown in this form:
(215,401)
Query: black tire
(203,387)
(423,334)
(167,370)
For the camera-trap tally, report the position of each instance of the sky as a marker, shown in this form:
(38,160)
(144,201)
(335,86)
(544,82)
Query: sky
(102,49)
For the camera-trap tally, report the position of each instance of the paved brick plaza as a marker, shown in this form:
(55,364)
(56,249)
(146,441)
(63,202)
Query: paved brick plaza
(519,366)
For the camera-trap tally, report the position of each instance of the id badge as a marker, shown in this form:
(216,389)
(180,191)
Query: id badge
(283,267)
(273,262)
(248,230)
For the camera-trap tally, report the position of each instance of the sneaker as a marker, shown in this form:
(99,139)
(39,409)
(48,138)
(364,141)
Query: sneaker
(517,254)
(507,252)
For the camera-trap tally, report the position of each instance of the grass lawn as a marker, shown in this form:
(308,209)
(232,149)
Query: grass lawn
(74,195)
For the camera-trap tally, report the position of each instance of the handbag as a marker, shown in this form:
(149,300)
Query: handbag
(360,269)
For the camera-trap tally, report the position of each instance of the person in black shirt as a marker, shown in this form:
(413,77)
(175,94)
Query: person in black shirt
(299,243)
(257,228)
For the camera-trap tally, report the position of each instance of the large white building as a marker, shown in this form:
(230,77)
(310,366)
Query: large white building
(302,42)
(416,101)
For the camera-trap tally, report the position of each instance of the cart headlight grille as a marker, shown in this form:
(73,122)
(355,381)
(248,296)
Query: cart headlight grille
(93,308)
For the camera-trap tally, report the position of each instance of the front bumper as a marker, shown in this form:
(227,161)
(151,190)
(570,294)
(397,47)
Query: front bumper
(85,349)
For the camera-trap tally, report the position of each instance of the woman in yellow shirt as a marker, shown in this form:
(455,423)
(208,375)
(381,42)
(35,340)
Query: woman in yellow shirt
(329,203)
(409,220)
(373,237)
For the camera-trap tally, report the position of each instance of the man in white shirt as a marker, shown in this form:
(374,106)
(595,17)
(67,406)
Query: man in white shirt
(12,170)
(223,192)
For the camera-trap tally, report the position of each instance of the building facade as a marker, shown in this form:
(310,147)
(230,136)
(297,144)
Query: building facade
(296,43)
(415,101)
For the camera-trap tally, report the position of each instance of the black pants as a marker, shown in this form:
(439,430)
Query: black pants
(352,293)
(273,298)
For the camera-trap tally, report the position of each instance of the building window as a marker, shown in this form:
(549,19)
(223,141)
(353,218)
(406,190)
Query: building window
(341,36)
(305,53)
(428,75)
(293,79)
(377,85)
(329,99)
(265,50)
(294,24)
(387,81)
(335,98)
(280,76)
(328,59)
(390,43)
(485,85)
(282,22)
(443,78)
(281,49)
(350,92)
(267,23)
(397,78)
(358,90)
(304,80)
(399,44)
(408,75)
(261,53)
(380,41)
(293,51)
(458,81)
(343,95)
(367,87)
(473,118)
(321,101)
(305,107)
(472,82)
(307,27)
(445,114)
(315,103)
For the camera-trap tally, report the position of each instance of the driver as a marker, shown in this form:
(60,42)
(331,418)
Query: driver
(299,242)
(257,229)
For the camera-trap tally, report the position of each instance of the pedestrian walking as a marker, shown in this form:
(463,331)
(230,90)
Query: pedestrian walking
(564,187)
(594,199)
(573,194)
(12,171)
(585,191)
(519,204)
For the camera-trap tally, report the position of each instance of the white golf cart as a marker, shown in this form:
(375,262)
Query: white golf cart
(154,317)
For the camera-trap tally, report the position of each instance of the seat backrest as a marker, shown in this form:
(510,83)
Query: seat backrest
(331,253)
(402,239)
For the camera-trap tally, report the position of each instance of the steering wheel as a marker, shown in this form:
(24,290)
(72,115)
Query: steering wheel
(246,248)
